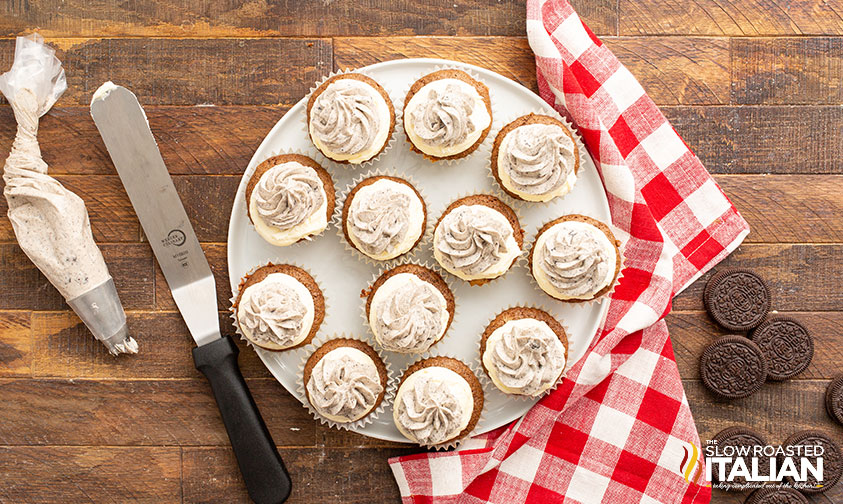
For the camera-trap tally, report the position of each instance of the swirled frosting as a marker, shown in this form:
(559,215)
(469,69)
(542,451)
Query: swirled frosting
(433,405)
(385,219)
(349,120)
(475,241)
(536,161)
(446,117)
(574,260)
(344,385)
(408,314)
(524,356)
(288,203)
(276,312)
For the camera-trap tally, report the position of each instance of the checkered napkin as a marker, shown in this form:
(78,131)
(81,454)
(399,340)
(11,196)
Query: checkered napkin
(619,428)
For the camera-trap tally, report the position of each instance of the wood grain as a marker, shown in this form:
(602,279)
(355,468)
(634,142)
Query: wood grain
(692,331)
(210,475)
(15,344)
(731,17)
(190,71)
(801,277)
(775,139)
(89,474)
(25,288)
(787,70)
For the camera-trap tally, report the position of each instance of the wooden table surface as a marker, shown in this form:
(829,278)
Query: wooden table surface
(754,86)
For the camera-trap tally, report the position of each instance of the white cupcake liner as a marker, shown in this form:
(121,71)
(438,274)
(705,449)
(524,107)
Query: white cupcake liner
(581,153)
(473,367)
(341,201)
(486,380)
(484,144)
(314,154)
(577,303)
(436,269)
(518,260)
(233,310)
(389,392)
(390,139)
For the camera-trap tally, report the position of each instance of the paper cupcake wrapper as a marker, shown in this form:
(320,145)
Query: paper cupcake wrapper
(340,204)
(435,268)
(390,139)
(582,152)
(313,153)
(473,367)
(485,144)
(232,310)
(515,264)
(577,303)
(489,384)
(388,396)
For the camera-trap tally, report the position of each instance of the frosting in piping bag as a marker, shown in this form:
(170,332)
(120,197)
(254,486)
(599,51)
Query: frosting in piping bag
(537,160)
(50,222)
(524,356)
(344,385)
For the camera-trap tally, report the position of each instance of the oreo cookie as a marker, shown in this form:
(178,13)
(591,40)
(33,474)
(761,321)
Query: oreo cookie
(733,367)
(786,344)
(832,460)
(776,496)
(834,399)
(740,439)
(737,299)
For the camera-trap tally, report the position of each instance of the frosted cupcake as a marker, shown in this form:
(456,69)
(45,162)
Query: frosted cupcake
(439,400)
(478,238)
(535,158)
(524,351)
(345,380)
(409,308)
(575,258)
(383,217)
(447,114)
(279,307)
(289,198)
(350,118)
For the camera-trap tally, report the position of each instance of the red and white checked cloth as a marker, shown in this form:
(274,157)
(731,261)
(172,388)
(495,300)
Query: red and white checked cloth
(619,427)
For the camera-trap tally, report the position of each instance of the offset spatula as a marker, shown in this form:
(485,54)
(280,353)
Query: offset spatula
(122,123)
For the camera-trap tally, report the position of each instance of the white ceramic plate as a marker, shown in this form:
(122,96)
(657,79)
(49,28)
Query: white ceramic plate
(342,276)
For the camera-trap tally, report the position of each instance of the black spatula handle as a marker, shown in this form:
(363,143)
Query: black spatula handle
(263,470)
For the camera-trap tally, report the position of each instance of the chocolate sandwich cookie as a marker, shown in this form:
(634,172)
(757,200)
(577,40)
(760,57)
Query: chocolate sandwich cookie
(733,367)
(776,496)
(737,299)
(739,438)
(787,346)
(832,460)
(834,399)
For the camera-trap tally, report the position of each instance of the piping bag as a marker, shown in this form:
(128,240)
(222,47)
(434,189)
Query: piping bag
(51,223)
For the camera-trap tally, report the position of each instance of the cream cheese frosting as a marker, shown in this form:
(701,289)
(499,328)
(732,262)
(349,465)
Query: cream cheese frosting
(385,219)
(536,162)
(475,242)
(350,121)
(289,203)
(344,385)
(408,314)
(433,405)
(573,260)
(524,356)
(445,117)
(276,312)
